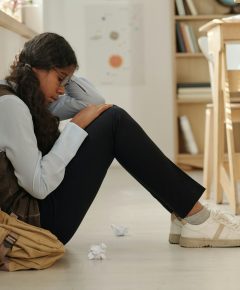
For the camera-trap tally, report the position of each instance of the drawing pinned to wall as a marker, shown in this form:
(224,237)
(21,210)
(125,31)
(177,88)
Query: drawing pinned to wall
(115,43)
(115,61)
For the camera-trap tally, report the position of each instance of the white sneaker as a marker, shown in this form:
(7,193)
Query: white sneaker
(175,229)
(219,230)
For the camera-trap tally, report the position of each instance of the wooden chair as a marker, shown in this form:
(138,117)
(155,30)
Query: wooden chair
(231,173)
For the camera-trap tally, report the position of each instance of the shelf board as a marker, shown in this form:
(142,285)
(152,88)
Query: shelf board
(190,160)
(200,17)
(12,24)
(189,55)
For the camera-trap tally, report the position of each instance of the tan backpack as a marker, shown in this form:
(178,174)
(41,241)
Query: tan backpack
(23,246)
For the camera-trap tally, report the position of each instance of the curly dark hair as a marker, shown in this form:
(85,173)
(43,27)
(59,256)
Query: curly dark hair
(45,51)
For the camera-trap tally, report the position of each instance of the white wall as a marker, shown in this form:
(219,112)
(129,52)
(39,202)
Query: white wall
(11,43)
(150,103)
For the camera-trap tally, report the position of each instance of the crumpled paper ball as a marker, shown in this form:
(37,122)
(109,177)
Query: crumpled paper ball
(97,252)
(119,231)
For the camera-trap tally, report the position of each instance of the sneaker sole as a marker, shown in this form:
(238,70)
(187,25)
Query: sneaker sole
(201,243)
(174,238)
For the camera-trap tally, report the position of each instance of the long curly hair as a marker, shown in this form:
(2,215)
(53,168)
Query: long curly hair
(45,51)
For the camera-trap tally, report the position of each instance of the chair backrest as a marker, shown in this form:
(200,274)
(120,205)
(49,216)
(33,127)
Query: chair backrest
(233,75)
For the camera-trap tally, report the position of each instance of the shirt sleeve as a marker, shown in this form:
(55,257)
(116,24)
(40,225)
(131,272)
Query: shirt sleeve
(79,93)
(39,175)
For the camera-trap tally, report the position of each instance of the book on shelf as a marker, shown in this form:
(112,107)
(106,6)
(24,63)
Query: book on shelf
(186,38)
(180,7)
(194,85)
(194,98)
(193,39)
(188,137)
(179,39)
(194,91)
(185,7)
(191,7)
(187,10)
(189,38)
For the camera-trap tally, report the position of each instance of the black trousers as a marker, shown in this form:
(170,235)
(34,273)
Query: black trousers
(114,134)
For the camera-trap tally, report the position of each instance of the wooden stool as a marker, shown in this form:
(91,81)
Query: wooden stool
(221,33)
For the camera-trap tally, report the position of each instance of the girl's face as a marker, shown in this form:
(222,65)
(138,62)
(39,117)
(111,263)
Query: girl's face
(52,82)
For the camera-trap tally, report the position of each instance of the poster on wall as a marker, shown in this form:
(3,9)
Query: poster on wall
(115,43)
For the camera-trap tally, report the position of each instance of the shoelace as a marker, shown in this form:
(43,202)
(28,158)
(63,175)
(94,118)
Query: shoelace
(229,220)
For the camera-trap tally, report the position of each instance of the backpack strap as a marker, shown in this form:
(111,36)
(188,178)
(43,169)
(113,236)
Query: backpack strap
(7,244)
(5,247)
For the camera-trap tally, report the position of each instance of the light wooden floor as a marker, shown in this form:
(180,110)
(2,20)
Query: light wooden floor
(143,260)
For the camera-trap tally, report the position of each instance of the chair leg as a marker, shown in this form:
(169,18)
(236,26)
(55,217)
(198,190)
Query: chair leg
(232,192)
(218,159)
(230,186)
(218,127)
(208,149)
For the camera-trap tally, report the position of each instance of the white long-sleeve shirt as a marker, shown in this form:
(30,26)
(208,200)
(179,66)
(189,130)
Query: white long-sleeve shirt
(39,175)
(79,93)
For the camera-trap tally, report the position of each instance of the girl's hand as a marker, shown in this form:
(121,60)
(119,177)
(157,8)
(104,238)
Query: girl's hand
(88,114)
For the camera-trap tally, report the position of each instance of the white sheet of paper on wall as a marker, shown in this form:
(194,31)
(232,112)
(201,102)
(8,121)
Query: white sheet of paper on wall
(115,42)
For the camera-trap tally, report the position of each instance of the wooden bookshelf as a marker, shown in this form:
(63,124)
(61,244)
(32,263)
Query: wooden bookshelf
(192,68)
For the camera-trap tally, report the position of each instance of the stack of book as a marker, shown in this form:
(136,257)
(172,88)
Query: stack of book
(185,7)
(186,38)
(194,92)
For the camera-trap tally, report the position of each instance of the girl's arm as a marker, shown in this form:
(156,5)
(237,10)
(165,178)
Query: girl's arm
(39,175)
(79,93)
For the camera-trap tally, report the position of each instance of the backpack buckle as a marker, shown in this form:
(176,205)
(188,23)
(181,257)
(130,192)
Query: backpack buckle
(9,241)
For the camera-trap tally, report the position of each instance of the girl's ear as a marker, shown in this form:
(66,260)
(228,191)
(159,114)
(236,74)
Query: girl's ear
(36,71)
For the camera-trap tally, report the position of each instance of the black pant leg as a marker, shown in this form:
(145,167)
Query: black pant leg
(138,154)
(115,134)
